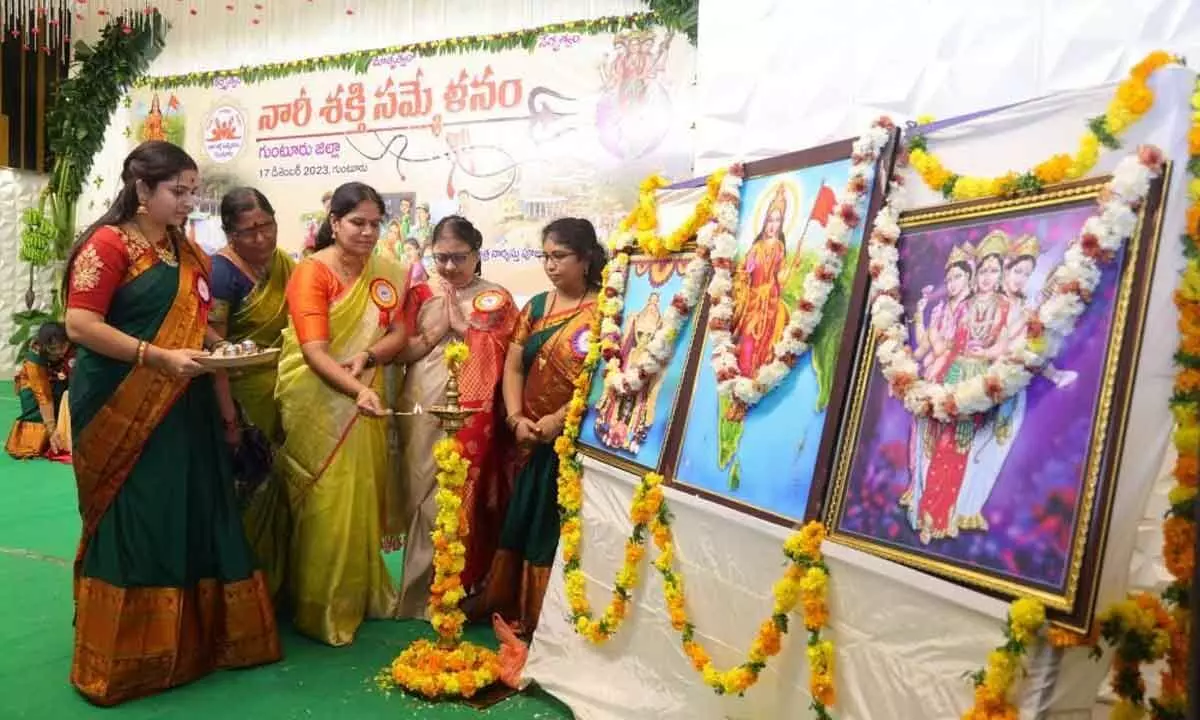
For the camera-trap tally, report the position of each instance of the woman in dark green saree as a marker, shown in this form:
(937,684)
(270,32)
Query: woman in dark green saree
(165,585)
(545,355)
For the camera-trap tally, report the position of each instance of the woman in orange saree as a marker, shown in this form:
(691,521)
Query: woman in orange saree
(457,305)
(344,305)
(165,585)
(546,354)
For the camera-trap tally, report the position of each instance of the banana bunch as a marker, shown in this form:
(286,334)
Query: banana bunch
(37,238)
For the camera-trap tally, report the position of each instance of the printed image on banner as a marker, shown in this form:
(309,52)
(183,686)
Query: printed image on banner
(511,140)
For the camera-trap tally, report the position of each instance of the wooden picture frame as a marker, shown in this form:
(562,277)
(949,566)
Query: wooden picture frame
(690,470)
(1021,521)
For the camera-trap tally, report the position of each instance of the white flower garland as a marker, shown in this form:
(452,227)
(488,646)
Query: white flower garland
(806,315)
(618,379)
(1070,291)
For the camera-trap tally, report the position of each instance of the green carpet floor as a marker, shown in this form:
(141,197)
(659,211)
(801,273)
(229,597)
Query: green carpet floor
(39,526)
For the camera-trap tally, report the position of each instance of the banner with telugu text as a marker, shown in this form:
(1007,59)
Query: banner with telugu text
(511,140)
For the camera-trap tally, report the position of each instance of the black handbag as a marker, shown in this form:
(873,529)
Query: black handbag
(252,460)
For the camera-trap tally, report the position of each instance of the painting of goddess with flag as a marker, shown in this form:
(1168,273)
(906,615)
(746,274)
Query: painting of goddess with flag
(765,458)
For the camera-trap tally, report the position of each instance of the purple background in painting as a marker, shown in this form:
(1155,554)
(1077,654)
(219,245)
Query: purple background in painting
(1032,509)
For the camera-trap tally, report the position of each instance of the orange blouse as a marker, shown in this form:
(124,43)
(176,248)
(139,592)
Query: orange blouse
(311,290)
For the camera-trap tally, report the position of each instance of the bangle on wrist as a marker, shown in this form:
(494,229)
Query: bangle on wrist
(372,360)
(513,420)
(141,352)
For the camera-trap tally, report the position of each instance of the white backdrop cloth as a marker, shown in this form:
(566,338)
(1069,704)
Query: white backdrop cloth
(904,639)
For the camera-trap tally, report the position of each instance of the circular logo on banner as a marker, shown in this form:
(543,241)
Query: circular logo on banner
(202,290)
(489,301)
(383,294)
(580,341)
(224,133)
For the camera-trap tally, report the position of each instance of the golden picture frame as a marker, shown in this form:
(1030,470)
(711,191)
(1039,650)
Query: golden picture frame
(1014,502)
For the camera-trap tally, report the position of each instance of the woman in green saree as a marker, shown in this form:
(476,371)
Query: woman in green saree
(165,586)
(344,304)
(249,285)
(545,355)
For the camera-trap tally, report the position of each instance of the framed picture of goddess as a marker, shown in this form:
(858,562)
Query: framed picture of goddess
(1013,501)
(631,431)
(769,459)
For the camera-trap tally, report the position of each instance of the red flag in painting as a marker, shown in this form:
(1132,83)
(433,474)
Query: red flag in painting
(823,206)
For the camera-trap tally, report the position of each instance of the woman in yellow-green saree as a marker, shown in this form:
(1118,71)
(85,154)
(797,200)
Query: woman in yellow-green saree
(345,323)
(249,284)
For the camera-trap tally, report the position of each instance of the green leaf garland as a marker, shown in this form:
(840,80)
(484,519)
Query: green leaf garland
(359,61)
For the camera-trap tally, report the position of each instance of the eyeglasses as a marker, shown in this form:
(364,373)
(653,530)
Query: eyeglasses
(455,258)
(555,257)
(267,228)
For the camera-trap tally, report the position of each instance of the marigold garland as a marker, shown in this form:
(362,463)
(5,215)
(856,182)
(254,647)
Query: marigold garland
(804,582)
(639,229)
(1132,99)
(994,682)
(1140,630)
(450,667)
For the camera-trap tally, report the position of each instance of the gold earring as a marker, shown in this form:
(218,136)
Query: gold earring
(142,209)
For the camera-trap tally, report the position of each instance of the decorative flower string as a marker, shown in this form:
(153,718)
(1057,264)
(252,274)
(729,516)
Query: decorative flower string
(622,380)
(639,229)
(805,582)
(1131,101)
(720,241)
(570,500)
(1139,629)
(993,684)
(449,668)
(1068,293)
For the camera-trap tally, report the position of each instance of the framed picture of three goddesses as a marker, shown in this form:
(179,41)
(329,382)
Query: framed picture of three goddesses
(1014,501)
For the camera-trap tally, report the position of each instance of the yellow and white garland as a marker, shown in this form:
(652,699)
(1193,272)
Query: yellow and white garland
(450,667)
(1070,286)
(619,379)
(720,241)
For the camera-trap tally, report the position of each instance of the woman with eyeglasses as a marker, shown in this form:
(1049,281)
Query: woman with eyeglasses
(249,284)
(455,304)
(546,354)
(345,306)
(166,589)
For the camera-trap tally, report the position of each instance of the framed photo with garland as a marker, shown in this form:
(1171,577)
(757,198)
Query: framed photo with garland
(763,412)
(1014,500)
(630,431)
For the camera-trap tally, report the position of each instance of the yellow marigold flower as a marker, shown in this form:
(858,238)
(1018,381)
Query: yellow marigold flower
(1181,494)
(456,353)
(712,677)
(924,119)
(814,582)
(787,594)
(1027,617)
(820,657)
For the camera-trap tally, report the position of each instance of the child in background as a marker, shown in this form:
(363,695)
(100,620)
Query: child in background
(40,384)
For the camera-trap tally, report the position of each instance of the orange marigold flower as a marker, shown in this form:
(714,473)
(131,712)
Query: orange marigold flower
(1150,63)
(1187,381)
(1194,140)
(1187,470)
